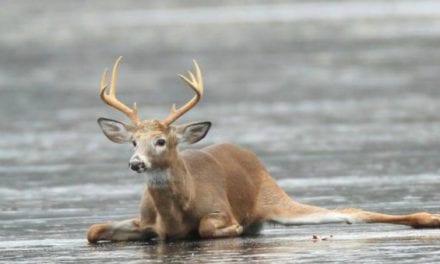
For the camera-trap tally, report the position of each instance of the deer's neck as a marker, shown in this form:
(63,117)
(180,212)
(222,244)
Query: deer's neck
(171,188)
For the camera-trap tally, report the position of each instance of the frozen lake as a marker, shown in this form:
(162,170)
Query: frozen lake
(340,100)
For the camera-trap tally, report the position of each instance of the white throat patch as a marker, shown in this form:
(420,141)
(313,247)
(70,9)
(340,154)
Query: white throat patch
(158,178)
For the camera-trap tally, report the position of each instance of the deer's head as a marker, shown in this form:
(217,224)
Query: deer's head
(155,141)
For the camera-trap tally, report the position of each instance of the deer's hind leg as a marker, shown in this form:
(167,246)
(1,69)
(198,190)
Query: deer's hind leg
(128,230)
(219,224)
(416,220)
(300,214)
(276,206)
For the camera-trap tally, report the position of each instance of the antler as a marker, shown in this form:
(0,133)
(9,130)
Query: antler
(111,99)
(195,83)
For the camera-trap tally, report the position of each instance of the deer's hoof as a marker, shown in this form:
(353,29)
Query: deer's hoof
(425,220)
(99,232)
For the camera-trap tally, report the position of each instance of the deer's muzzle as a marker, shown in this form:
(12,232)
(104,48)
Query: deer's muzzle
(137,164)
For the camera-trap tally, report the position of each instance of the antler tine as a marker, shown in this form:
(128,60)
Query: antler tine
(111,99)
(196,84)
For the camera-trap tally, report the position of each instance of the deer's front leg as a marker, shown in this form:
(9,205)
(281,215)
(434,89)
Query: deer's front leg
(219,224)
(128,230)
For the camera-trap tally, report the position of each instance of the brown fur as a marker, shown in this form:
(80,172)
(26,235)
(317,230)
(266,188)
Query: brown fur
(220,191)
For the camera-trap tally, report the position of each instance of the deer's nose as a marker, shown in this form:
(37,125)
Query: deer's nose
(136,164)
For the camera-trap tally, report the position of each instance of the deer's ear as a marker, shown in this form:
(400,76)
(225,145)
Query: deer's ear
(193,132)
(116,131)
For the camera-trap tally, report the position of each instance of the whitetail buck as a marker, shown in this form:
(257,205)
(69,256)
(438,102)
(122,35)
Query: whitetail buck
(218,191)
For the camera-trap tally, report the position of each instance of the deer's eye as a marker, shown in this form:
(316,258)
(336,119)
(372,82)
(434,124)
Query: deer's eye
(134,144)
(160,142)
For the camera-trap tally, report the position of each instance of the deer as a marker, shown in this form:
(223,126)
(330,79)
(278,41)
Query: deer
(219,191)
